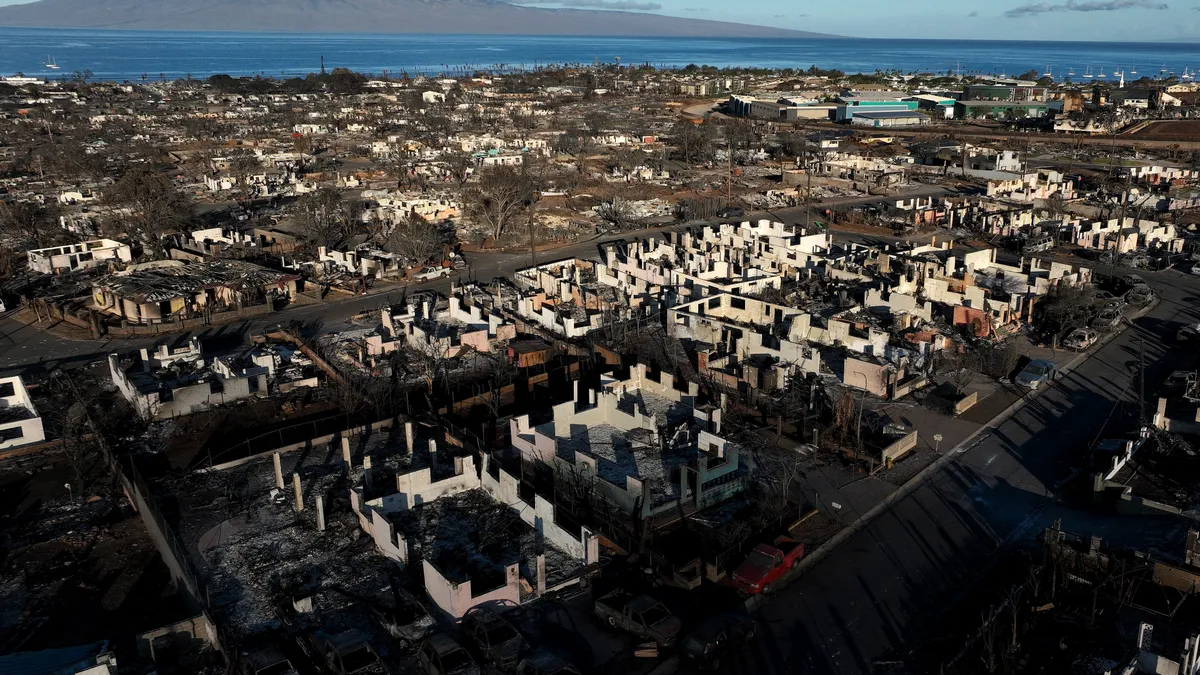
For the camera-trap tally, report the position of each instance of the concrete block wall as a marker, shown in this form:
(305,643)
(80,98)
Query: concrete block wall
(583,545)
(456,599)
(418,487)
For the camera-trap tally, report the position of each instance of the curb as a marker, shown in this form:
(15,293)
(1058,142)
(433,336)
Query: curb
(833,543)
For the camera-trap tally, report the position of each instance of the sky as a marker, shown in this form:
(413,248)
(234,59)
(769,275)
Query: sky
(1095,20)
(1098,20)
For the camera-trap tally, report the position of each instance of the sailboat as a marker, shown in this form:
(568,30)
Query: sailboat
(1117,72)
(1186,75)
(1048,72)
(50,63)
(1088,73)
(1071,72)
(1101,73)
(1134,71)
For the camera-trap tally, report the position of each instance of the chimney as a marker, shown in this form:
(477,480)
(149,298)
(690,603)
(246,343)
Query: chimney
(432,453)
(367,470)
(320,513)
(346,450)
(297,493)
(278,471)
(591,397)
(408,436)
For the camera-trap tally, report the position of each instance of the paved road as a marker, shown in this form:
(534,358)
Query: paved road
(878,592)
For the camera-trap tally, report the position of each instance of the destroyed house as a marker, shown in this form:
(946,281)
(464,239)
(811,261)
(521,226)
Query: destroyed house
(163,293)
(645,446)
(475,537)
(744,327)
(565,298)
(173,382)
(20,423)
(444,332)
(82,256)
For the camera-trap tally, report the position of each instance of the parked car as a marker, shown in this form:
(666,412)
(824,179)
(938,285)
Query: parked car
(431,273)
(766,564)
(1081,338)
(402,615)
(439,654)
(266,661)
(1106,299)
(731,212)
(348,652)
(1108,318)
(1036,374)
(717,637)
(494,638)
(641,615)
(1188,333)
(1178,382)
(542,662)
(1140,295)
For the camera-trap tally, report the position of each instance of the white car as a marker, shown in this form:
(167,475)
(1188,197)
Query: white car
(431,273)
(1081,338)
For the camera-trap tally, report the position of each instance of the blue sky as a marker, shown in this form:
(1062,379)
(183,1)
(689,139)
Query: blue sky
(1124,20)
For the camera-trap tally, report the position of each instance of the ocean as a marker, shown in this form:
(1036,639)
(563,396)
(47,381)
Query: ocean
(130,55)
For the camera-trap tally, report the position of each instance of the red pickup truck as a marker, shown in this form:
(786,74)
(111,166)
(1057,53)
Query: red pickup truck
(766,564)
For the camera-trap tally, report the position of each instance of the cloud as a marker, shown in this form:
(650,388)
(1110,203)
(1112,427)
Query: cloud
(972,15)
(788,16)
(1090,6)
(597,4)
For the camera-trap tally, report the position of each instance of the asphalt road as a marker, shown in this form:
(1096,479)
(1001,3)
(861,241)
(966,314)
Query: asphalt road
(881,590)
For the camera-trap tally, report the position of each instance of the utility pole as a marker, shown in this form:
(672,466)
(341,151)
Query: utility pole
(729,172)
(1142,384)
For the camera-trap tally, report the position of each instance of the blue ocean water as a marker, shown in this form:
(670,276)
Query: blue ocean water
(127,55)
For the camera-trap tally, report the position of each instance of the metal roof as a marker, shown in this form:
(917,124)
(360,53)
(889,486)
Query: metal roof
(889,115)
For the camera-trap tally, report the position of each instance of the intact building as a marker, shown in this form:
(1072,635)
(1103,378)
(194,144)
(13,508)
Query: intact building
(889,118)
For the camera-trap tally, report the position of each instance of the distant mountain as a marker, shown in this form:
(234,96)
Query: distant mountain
(369,16)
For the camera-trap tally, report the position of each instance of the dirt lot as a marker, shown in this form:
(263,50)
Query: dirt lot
(1171,130)
(75,566)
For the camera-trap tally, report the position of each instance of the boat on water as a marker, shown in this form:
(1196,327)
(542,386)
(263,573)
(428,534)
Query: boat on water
(50,63)
(1088,73)
(1048,73)
(1186,75)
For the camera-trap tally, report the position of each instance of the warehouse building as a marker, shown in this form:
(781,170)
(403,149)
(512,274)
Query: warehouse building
(889,118)
(938,107)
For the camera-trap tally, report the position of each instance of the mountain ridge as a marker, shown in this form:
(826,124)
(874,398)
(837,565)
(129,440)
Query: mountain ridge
(465,17)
